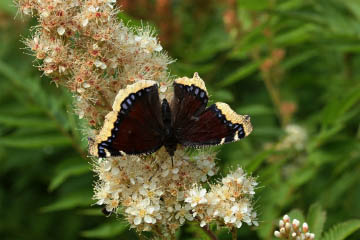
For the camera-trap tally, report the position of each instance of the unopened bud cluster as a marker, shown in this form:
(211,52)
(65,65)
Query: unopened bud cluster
(293,230)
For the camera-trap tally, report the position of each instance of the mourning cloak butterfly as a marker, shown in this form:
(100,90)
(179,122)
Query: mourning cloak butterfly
(140,124)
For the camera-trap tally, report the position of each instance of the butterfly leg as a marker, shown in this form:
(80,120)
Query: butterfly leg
(157,169)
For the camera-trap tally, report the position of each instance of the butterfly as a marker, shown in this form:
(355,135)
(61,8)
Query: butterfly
(140,123)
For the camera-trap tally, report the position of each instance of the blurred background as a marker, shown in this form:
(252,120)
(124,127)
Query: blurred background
(292,65)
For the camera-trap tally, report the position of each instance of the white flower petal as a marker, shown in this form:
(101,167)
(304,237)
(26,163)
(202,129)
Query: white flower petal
(235,208)
(158,48)
(238,224)
(85,22)
(61,30)
(148,219)
(189,217)
(137,220)
(150,209)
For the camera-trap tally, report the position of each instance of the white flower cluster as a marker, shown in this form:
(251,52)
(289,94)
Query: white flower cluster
(81,45)
(148,44)
(292,230)
(296,137)
(153,192)
(228,202)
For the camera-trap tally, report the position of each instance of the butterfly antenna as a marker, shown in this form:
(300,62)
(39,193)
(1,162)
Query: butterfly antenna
(172,161)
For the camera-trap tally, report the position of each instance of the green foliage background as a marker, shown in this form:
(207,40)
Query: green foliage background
(46,179)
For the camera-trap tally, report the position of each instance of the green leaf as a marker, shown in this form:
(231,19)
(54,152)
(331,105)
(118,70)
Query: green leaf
(69,201)
(10,73)
(316,219)
(342,230)
(258,160)
(22,121)
(255,109)
(8,6)
(91,212)
(324,136)
(240,74)
(253,5)
(302,176)
(293,61)
(350,101)
(354,7)
(194,229)
(266,131)
(297,214)
(223,95)
(335,110)
(295,36)
(332,195)
(212,43)
(66,170)
(290,4)
(35,141)
(106,230)
(189,69)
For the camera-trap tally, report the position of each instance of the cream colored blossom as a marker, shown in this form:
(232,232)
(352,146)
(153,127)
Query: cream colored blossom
(296,137)
(61,30)
(183,213)
(143,212)
(228,202)
(151,191)
(196,196)
(148,44)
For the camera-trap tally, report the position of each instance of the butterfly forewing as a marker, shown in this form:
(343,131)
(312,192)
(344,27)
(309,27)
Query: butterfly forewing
(188,103)
(138,127)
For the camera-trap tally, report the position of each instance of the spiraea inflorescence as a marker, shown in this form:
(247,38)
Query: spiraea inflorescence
(81,45)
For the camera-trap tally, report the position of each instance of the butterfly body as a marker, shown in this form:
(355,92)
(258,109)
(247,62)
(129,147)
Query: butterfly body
(140,124)
(170,142)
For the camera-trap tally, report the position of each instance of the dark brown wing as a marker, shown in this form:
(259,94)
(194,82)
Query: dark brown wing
(194,125)
(218,124)
(190,99)
(137,127)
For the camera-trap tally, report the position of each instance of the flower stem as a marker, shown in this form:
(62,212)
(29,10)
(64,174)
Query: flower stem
(234,233)
(207,230)
(274,96)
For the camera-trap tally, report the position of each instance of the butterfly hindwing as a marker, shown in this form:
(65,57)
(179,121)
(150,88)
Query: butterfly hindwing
(135,125)
(218,124)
